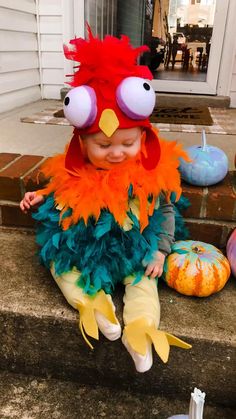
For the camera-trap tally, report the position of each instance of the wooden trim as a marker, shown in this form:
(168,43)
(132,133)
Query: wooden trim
(52,76)
(50,8)
(220,21)
(50,24)
(79,24)
(175,86)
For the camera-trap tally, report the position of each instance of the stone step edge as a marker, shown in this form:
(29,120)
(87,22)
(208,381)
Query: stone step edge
(59,368)
(53,345)
(37,397)
(67,316)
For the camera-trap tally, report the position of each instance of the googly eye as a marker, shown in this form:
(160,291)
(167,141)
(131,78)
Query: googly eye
(136,97)
(80,106)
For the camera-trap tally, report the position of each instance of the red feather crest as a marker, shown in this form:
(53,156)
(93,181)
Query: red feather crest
(101,61)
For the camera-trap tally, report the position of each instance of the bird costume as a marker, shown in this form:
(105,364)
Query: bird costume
(101,227)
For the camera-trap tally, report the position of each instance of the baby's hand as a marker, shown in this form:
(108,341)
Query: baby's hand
(30,200)
(155,268)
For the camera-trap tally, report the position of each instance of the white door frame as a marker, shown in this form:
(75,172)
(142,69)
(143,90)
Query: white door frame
(79,23)
(228,53)
(222,49)
(208,87)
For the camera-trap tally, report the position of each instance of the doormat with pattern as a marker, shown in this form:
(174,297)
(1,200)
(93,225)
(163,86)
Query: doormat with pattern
(184,115)
(222,121)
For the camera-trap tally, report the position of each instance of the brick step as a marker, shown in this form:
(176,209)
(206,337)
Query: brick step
(40,335)
(211,216)
(39,398)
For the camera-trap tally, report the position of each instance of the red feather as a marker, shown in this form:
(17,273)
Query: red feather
(101,61)
(103,64)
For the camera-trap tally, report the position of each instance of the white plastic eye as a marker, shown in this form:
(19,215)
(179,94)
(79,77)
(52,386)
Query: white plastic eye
(136,97)
(80,106)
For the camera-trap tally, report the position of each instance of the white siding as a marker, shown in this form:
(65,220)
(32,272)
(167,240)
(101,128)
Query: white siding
(233,86)
(32,62)
(56,27)
(19,73)
(51,47)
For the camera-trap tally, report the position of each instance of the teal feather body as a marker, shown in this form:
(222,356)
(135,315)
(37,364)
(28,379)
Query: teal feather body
(103,252)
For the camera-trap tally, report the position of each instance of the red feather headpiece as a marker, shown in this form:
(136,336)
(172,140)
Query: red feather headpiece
(103,64)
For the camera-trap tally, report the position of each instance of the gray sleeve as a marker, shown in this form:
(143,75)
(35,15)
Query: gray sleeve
(168,227)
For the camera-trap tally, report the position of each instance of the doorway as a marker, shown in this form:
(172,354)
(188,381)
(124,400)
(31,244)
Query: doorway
(185,38)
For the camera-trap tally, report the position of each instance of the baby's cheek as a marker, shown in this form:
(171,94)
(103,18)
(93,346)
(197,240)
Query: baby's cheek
(97,153)
(134,150)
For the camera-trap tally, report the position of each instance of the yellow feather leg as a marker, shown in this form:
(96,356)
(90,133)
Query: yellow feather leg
(104,306)
(138,333)
(88,320)
(177,342)
(160,343)
(136,336)
(84,335)
(88,323)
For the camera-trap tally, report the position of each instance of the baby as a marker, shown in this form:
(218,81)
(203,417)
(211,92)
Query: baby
(105,216)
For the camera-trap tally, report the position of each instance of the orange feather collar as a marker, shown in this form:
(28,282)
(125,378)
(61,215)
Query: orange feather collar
(92,190)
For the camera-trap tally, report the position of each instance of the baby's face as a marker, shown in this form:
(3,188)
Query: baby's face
(106,152)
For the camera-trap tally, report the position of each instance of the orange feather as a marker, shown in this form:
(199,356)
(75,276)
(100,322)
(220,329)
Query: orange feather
(91,190)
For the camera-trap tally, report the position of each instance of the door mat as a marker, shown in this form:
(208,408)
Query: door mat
(184,115)
(222,121)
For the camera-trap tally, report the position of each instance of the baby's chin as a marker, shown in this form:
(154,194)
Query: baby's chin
(110,165)
(106,164)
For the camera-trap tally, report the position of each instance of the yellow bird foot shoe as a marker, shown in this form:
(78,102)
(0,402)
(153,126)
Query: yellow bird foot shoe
(142,363)
(98,313)
(138,338)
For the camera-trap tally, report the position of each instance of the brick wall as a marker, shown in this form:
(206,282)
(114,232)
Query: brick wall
(210,218)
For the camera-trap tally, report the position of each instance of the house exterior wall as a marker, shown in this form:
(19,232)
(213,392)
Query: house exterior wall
(32,63)
(51,47)
(59,22)
(19,66)
(233,86)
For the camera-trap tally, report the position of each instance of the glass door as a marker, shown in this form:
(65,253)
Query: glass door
(185,38)
(101,16)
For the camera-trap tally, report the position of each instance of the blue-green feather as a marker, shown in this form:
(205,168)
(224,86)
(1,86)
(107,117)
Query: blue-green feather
(103,252)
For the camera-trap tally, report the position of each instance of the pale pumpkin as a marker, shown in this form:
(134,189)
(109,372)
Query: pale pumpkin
(196,268)
(231,251)
(209,164)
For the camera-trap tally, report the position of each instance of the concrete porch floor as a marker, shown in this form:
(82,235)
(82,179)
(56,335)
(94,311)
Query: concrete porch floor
(46,140)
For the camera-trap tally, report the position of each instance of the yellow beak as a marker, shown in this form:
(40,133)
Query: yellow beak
(108,122)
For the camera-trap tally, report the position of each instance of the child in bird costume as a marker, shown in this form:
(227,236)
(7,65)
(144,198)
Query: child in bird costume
(106,215)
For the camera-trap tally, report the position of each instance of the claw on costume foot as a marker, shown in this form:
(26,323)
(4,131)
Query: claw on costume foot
(94,313)
(139,333)
(142,363)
